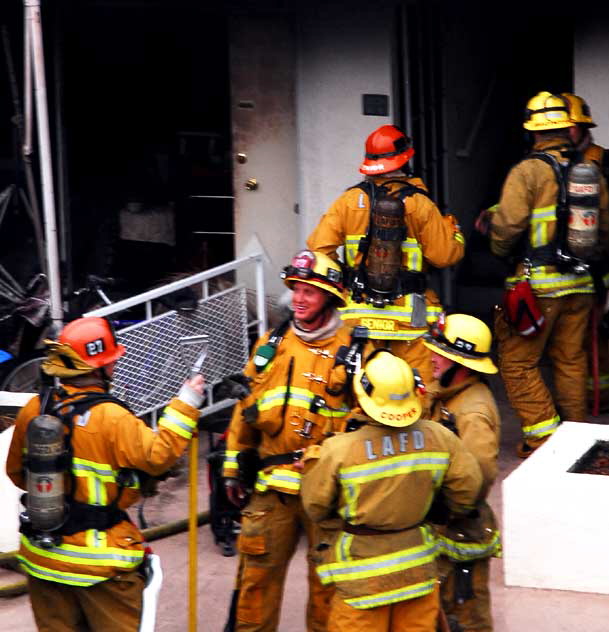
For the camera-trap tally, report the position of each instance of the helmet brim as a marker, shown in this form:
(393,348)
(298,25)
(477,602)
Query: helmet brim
(385,165)
(289,281)
(483,365)
(398,415)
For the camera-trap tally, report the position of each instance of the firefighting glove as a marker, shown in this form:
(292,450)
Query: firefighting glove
(236,386)
(236,492)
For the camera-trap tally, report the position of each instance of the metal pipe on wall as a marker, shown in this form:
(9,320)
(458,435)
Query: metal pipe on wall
(33,30)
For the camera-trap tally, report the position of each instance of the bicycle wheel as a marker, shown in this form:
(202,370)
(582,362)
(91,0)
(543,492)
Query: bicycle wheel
(24,375)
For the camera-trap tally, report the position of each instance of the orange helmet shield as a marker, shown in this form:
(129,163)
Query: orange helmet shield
(93,339)
(387,149)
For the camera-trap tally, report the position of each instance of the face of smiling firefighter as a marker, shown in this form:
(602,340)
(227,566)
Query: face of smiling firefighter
(308,303)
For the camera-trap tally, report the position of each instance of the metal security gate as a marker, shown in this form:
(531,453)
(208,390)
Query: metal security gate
(152,370)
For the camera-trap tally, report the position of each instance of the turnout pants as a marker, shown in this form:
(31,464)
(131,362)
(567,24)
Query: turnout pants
(473,614)
(563,338)
(270,529)
(411,615)
(114,605)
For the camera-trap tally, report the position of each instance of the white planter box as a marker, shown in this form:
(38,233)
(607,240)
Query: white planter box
(555,522)
(9,494)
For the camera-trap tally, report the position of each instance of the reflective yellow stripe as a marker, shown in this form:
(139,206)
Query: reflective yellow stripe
(350,570)
(177,422)
(351,493)
(464,551)
(393,596)
(459,237)
(541,428)
(413,253)
(538,234)
(555,284)
(394,466)
(343,547)
(88,556)
(298,398)
(280,479)
(603,382)
(97,475)
(49,574)
(230,460)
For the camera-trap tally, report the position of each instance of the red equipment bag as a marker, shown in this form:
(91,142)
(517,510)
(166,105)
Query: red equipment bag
(522,311)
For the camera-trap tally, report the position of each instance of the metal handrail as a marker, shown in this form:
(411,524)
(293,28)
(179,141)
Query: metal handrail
(200,277)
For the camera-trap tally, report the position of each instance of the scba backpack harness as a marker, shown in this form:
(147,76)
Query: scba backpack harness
(51,512)
(379,278)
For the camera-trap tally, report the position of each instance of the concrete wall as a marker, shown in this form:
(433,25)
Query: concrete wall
(591,72)
(342,54)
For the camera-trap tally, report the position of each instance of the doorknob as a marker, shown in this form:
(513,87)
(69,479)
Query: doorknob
(241,158)
(251,184)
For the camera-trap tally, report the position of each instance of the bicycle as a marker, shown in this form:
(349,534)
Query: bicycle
(21,373)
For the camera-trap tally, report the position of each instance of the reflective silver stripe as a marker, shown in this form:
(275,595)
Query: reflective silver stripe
(167,416)
(393,466)
(392,597)
(352,567)
(57,576)
(100,471)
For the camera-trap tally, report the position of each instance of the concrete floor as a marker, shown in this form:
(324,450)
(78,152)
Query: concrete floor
(514,609)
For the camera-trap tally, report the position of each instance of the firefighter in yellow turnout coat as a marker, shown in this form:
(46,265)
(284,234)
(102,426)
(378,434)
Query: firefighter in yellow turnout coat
(581,117)
(89,580)
(430,239)
(464,404)
(379,482)
(291,406)
(528,208)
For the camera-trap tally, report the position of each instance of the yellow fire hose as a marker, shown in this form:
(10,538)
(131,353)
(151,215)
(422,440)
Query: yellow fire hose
(192,533)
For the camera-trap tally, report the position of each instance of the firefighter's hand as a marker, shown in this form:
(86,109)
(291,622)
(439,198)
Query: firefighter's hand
(483,222)
(197,383)
(235,492)
(192,391)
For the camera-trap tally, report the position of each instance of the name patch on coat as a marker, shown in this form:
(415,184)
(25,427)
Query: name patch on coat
(390,445)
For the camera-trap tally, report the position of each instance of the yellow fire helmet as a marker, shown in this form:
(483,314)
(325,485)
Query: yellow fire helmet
(547,111)
(385,388)
(579,110)
(463,339)
(316,268)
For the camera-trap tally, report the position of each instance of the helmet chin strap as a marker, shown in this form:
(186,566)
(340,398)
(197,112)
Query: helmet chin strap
(448,376)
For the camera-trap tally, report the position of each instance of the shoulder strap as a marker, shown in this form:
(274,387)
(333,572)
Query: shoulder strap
(604,164)
(279,332)
(561,173)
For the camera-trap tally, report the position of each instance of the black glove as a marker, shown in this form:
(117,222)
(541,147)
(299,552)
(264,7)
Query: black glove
(236,386)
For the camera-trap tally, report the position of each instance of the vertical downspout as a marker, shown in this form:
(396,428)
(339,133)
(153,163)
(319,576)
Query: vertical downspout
(34,27)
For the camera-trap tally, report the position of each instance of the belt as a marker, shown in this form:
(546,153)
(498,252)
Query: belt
(286,458)
(360,529)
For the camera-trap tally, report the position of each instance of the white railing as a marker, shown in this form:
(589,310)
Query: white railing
(151,370)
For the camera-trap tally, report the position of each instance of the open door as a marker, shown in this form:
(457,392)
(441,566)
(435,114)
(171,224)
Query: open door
(262,60)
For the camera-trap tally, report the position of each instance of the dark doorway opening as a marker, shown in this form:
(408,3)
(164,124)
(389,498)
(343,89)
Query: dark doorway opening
(147,132)
(467,78)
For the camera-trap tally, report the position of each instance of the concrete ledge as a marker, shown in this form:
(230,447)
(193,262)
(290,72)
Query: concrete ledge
(556,523)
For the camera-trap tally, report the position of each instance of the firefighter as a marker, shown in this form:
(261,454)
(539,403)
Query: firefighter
(298,397)
(524,226)
(423,237)
(86,576)
(462,402)
(581,116)
(379,482)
